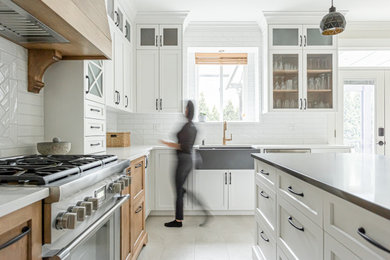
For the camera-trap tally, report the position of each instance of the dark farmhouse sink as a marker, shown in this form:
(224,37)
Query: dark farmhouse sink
(225,157)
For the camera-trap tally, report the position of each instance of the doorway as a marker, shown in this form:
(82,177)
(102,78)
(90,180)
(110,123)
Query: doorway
(363,116)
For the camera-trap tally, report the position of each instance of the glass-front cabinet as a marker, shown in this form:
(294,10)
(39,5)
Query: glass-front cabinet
(302,69)
(159,36)
(94,80)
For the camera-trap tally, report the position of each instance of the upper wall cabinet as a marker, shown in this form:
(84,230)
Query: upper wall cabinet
(159,36)
(94,76)
(298,37)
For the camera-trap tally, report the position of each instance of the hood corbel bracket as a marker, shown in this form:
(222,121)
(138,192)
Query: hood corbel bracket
(38,62)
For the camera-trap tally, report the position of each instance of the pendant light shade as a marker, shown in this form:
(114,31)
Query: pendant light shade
(333,23)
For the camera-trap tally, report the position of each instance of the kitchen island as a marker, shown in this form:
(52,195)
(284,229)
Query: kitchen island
(322,206)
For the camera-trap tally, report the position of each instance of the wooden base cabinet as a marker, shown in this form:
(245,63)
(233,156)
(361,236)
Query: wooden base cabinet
(25,224)
(126,224)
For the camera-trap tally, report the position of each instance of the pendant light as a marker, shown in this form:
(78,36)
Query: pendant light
(333,23)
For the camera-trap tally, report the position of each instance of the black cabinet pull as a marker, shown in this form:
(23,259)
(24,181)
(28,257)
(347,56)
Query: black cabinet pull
(97,144)
(95,127)
(119,97)
(127,101)
(126,31)
(88,85)
(156,40)
(225,178)
(160,103)
(262,236)
(160,40)
(264,195)
(139,209)
(305,104)
(290,220)
(117,18)
(26,230)
(300,44)
(138,165)
(116,97)
(362,232)
(305,42)
(94,110)
(264,173)
(156,103)
(230,178)
(301,105)
(290,189)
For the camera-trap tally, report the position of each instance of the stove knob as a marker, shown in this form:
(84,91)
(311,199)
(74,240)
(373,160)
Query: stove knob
(66,220)
(87,205)
(95,202)
(115,187)
(80,212)
(122,182)
(126,180)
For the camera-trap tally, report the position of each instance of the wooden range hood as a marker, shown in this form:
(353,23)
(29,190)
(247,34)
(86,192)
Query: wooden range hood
(82,24)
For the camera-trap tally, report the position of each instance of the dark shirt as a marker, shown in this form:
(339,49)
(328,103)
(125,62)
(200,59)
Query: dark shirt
(186,137)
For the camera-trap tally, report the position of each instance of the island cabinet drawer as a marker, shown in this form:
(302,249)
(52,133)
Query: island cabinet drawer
(265,241)
(266,204)
(266,174)
(95,127)
(297,235)
(137,177)
(361,231)
(95,144)
(305,197)
(335,250)
(280,255)
(94,110)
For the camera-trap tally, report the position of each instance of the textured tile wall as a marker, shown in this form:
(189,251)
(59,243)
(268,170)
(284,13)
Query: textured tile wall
(21,113)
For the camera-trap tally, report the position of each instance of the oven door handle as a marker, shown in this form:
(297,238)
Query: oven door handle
(65,252)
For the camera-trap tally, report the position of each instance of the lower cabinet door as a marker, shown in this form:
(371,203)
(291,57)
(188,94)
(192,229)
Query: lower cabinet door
(125,227)
(137,221)
(265,242)
(211,188)
(333,250)
(281,255)
(297,235)
(241,189)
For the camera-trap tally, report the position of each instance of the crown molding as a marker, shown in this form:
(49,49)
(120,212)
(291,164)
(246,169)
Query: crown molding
(170,17)
(299,17)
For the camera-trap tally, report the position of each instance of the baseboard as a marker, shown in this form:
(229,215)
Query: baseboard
(201,213)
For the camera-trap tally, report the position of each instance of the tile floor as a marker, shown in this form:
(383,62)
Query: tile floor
(223,238)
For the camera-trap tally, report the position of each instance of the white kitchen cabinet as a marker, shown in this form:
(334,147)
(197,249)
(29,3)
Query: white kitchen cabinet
(127,77)
(333,250)
(118,69)
(225,189)
(164,170)
(159,68)
(241,190)
(212,189)
(76,116)
(109,83)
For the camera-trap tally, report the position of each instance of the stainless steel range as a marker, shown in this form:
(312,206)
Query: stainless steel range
(82,214)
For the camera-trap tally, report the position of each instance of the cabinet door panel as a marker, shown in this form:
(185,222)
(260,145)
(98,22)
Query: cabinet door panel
(118,68)
(313,39)
(319,80)
(127,77)
(285,36)
(170,80)
(241,190)
(147,80)
(211,187)
(108,76)
(334,250)
(147,37)
(170,36)
(94,80)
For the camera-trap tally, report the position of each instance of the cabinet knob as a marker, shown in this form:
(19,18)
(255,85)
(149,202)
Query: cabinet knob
(66,220)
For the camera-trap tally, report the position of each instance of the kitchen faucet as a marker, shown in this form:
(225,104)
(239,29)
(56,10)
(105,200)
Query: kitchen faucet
(224,134)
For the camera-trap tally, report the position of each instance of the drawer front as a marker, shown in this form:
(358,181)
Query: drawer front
(334,250)
(94,127)
(94,144)
(305,197)
(137,221)
(349,224)
(266,174)
(298,236)
(137,178)
(265,242)
(266,204)
(95,110)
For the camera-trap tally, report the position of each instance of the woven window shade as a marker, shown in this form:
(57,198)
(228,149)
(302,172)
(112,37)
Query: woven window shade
(221,58)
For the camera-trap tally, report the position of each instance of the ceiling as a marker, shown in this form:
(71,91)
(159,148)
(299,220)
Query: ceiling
(249,10)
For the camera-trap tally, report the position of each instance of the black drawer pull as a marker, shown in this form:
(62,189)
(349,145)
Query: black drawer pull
(113,136)
(290,189)
(139,209)
(290,220)
(95,127)
(26,230)
(362,232)
(263,194)
(97,144)
(264,173)
(94,110)
(138,165)
(261,235)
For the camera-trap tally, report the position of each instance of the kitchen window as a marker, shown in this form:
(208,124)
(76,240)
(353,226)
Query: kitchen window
(225,84)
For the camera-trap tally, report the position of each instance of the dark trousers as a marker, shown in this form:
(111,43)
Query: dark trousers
(183,169)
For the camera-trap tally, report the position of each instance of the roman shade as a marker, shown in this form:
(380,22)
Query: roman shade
(221,58)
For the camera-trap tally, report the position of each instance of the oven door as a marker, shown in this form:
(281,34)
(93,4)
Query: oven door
(101,241)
